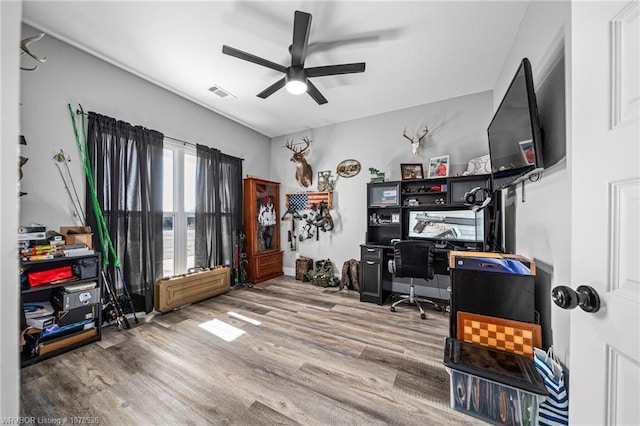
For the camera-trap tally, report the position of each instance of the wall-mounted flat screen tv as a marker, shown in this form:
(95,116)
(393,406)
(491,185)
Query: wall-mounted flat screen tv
(515,136)
(447,225)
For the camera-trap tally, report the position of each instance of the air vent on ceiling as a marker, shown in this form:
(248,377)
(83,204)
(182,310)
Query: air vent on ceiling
(220,92)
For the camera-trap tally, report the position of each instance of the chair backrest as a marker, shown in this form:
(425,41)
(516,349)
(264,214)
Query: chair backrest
(414,259)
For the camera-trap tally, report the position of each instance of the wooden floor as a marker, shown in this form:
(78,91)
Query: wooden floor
(317,357)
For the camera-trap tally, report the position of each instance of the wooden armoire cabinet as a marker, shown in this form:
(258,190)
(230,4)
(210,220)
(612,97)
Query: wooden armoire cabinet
(261,221)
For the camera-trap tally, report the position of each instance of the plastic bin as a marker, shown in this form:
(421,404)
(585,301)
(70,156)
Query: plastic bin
(498,387)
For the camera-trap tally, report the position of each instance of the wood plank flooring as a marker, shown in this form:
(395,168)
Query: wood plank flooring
(318,357)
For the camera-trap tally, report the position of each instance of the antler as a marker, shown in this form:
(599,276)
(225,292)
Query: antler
(404,133)
(307,141)
(24,45)
(292,146)
(425,134)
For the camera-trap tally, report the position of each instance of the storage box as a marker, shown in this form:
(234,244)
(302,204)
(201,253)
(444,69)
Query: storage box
(75,315)
(37,278)
(77,235)
(498,387)
(181,290)
(492,262)
(63,300)
(40,322)
(303,265)
(86,269)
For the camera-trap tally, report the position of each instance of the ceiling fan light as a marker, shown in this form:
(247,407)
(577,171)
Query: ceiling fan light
(296,87)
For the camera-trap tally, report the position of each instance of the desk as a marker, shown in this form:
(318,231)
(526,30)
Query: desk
(377,282)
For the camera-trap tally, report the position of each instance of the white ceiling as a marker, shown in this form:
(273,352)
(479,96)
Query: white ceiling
(415,52)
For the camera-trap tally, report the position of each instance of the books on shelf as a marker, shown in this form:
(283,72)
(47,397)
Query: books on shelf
(79,249)
(37,309)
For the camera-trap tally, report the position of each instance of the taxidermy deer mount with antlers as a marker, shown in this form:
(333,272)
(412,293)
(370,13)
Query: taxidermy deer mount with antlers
(304,174)
(415,144)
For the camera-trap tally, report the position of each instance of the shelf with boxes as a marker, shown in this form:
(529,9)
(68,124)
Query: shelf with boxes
(61,300)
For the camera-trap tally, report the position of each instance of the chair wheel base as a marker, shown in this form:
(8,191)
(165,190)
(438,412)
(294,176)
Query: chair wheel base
(423,316)
(392,309)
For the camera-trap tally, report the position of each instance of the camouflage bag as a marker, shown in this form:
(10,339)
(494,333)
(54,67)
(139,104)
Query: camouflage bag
(322,275)
(350,275)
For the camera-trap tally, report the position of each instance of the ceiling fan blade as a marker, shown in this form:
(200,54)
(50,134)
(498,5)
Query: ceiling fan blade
(272,89)
(315,93)
(228,50)
(335,69)
(301,27)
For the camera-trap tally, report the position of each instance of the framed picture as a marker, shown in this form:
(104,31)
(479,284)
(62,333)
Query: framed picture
(526,149)
(439,167)
(410,171)
(325,181)
(348,168)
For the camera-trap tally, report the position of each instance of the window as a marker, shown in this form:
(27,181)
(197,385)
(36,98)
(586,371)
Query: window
(179,205)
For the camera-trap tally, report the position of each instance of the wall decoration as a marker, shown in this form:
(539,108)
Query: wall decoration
(348,168)
(410,171)
(478,166)
(527,151)
(376,175)
(439,166)
(325,181)
(24,45)
(415,143)
(304,174)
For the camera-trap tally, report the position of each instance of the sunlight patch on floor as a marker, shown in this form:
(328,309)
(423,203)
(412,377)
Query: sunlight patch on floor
(222,330)
(243,318)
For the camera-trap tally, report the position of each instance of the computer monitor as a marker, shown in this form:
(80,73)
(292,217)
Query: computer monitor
(461,225)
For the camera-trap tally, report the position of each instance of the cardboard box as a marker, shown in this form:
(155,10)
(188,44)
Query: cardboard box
(75,315)
(64,301)
(77,235)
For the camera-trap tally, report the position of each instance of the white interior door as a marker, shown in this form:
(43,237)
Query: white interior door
(604,360)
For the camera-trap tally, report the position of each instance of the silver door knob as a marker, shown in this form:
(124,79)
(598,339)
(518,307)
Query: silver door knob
(584,296)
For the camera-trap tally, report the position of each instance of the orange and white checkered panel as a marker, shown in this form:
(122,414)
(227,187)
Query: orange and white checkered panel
(498,333)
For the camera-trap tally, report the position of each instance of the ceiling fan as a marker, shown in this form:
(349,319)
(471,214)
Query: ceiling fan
(296,76)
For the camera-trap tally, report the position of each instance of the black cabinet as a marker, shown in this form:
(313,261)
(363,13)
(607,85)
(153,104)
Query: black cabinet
(373,272)
(82,310)
(384,213)
(390,206)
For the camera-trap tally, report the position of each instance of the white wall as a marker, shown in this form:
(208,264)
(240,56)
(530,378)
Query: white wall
(75,77)
(543,220)
(10,15)
(457,127)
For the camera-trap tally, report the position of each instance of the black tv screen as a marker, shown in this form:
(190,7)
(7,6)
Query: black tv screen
(515,136)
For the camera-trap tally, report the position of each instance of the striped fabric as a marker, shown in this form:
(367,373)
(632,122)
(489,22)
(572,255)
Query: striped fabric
(555,409)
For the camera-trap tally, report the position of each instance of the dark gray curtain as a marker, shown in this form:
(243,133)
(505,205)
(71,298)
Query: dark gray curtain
(126,163)
(218,206)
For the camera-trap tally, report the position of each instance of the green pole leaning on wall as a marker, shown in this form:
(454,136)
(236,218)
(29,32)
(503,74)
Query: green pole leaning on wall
(106,245)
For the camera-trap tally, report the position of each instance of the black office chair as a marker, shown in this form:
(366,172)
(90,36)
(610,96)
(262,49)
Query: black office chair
(413,259)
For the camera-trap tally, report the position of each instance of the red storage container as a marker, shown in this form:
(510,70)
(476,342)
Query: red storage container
(37,278)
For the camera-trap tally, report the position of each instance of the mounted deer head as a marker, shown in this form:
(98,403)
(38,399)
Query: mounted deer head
(304,174)
(415,144)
